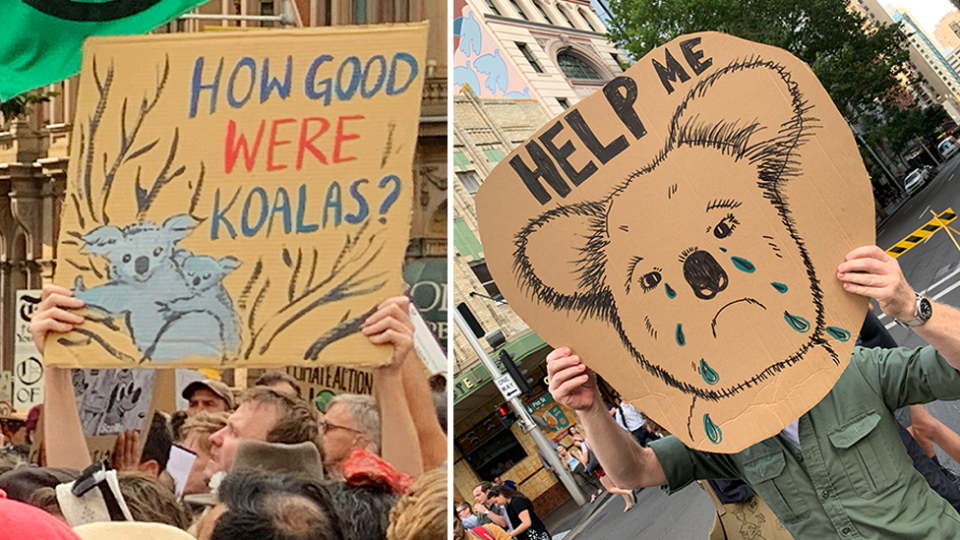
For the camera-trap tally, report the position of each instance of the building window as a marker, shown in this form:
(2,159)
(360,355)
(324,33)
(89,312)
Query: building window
(565,16)
(485,279)
(469,182)
(494,155)
(542,12)
(529,56)
(563,102)
(358,11)
(587,19)
(520,12)
(575,68)
(493,7)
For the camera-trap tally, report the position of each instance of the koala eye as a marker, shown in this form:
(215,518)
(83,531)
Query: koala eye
(157,251)
(726,226)
(126,258)
(650,280)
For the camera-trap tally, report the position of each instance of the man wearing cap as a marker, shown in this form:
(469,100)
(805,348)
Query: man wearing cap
(209,396)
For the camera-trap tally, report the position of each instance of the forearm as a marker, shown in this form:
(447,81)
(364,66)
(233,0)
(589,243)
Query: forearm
(627,463)
(942,331)
(63,436)
(499,520)
(523,527)
(399,438)
(419,398)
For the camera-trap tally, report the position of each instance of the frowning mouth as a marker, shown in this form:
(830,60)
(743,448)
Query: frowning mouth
(713,324)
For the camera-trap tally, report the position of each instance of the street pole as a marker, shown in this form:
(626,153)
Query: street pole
(552,458)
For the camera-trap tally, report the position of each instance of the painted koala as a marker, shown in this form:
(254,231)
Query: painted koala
(680,267)
(141,271)
(203,276)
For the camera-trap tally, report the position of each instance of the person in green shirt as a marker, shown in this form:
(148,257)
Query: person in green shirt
(839,471)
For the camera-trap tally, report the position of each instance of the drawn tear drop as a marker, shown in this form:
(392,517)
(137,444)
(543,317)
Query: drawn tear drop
(743,265)
(681,339)
(780,287)
(670,292)
(708,373)
(839,333)
(712,430)
(797,323)
(723,250)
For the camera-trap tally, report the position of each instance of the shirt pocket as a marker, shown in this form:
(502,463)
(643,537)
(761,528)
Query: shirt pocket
(861,452)
(769,477)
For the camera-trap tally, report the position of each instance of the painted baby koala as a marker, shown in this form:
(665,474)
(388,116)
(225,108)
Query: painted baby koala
(203,276)
(141,271)
(662,261)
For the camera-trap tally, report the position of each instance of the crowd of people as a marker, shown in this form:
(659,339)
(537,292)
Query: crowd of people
(268,464)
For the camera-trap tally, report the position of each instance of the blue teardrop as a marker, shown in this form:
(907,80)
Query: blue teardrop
(743,264)
(712,430)
(780,287)
(670,292)
(797,323)
(839,333)
(681,339)
(708,373)
(723,250)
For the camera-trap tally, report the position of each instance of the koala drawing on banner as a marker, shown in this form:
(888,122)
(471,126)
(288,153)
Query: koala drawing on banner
(628,275)
(204,278)
(143,277)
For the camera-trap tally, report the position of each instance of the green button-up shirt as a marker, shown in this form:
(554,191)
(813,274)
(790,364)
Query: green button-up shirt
(852,477)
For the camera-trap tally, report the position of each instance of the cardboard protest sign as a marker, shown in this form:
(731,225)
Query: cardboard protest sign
(112,400)
(680,230)
(239,199)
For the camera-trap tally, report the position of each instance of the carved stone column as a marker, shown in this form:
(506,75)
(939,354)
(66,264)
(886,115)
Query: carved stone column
(8,231)
(26,203)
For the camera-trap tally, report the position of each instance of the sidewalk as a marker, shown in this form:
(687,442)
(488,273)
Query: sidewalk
(566,520)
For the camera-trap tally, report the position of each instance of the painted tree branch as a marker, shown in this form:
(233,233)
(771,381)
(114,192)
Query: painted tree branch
(93,125)
(343,329)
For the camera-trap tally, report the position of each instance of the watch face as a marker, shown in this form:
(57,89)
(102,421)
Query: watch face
(924,309)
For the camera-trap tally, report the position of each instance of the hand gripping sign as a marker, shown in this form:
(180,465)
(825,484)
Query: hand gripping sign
(680,230)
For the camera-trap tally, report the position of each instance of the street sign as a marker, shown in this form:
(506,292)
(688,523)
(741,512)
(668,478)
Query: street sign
(27,361)
(507,386)
(922,233)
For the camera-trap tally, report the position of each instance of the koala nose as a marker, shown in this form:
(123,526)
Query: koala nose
(141,265)
(705,276)
(196,281)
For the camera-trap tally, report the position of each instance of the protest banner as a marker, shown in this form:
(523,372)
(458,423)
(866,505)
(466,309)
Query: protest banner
(320,384)
(681,230)
(238,200)
(27,362)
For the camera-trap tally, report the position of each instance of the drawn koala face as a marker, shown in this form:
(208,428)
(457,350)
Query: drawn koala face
(202,272)
(138,251)
(743,266)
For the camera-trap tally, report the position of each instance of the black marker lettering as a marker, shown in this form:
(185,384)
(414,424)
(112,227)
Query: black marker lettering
(670,73)
(601,152)
(545,169)
(622,103)
(693,57)
(561,154)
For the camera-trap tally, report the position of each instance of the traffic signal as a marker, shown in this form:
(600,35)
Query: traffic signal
(515,374)
(505,415)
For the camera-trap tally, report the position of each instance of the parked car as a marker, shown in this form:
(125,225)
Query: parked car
(914,180)
(948,147)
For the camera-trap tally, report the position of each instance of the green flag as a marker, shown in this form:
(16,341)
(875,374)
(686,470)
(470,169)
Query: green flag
(40,41)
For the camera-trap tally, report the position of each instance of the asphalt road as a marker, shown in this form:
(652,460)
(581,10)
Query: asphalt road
(932,267)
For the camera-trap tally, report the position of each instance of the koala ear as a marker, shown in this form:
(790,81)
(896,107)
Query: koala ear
(229,264)
(180,226)
(766,129)
(571,278)
(101,240)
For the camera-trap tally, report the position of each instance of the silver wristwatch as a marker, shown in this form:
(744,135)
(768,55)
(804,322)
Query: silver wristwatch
(921,314)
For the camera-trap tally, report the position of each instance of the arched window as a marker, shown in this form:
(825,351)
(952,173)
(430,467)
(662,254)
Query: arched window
(575,68)
(520,12)
(493,7)
(565,16)
(542,12)
(587,18)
